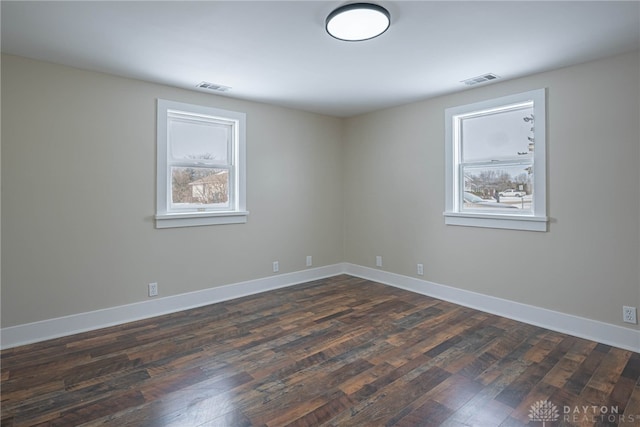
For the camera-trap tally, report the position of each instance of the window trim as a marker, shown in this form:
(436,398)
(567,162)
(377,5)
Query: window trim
(237,213)
(537,220)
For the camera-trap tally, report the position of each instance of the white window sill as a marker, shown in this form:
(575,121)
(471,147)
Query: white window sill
(509,222)
(195,219)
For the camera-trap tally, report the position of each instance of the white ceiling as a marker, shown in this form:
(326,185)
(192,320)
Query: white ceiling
(278,51)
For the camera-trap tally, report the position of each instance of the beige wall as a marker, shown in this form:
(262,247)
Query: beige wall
(586,265)
(78,175)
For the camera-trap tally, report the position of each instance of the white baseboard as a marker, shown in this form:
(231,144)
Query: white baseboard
(617,336)
(14,336)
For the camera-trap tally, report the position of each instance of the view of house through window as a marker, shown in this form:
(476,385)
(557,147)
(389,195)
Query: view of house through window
(200,186)
(201,153)
(200,165)
(497,159)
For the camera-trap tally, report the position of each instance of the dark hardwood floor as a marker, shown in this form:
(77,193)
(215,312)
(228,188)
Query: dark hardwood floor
(337,352)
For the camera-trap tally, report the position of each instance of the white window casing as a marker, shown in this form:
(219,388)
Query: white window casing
(201,165)
(497,138)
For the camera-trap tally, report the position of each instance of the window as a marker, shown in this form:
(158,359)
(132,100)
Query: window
(495,163)
(201,166)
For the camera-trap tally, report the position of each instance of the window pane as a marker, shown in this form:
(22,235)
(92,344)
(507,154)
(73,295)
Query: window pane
(498,136)
(199,140)
(501,187)
(207,187)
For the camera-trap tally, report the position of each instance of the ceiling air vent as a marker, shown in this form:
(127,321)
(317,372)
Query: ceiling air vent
(480,79)
(213,86)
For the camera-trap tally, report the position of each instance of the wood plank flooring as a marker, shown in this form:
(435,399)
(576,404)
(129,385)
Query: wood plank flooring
(341,351)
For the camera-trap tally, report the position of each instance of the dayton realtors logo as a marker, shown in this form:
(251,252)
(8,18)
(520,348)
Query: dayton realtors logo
(546,412)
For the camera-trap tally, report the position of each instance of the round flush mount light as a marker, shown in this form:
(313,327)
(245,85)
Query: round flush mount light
(357,22)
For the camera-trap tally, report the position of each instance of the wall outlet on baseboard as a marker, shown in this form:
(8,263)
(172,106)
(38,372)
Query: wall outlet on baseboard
(420,270)
(629,315)
(378,261)
(276,266)
(153,289)
(309,260)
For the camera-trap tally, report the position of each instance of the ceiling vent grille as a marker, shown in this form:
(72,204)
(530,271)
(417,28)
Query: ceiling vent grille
(480,79)
(213,86)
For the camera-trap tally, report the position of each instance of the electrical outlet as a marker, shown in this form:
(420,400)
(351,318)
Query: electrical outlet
(309,260)
(153,289)
(378,261)
(629,314)
(276,266)
(420,270)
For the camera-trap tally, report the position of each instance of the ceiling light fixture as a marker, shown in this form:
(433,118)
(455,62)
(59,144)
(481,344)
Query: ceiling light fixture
(357,22)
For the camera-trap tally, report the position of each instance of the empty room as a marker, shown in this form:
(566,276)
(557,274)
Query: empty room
(320,213)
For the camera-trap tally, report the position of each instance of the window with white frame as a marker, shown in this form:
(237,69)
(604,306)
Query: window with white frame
(200,165)
(495,163)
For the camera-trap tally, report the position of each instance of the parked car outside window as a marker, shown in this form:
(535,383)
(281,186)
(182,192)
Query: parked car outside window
(512,193)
